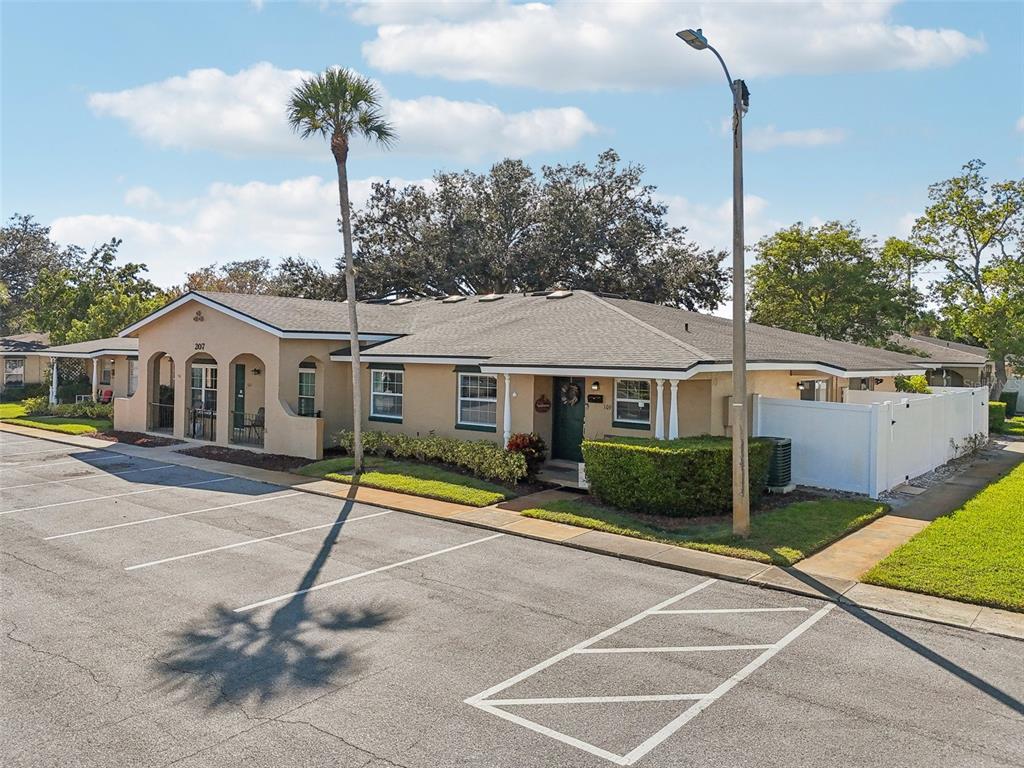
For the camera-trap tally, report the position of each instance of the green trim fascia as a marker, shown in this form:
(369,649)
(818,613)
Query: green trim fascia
(476,428)
(631,425)
(467,369)
(387,366)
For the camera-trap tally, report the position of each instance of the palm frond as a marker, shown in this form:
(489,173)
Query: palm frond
(339,100)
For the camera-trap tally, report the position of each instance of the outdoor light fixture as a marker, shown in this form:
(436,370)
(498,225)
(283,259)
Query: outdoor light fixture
(693,38)
(256,371)
(595,385)
(740,469)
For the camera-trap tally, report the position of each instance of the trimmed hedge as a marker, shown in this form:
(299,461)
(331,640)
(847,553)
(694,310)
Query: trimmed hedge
(916,384)
(483,458)
(1011,399)
(13,394)
(40,406)
(688,477)
(996,415)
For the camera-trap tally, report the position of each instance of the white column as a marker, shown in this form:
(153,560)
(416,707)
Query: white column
(673,410)
(659,414)
(95,376)
(53,382)
(507,414)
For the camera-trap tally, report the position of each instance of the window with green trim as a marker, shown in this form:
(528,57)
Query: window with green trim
(478,400)
(387,390)
(307,393)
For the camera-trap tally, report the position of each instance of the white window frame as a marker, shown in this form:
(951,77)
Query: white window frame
(375,378)
(133,376)
(617,399)
(460,400)
(209,372)
(20,367)
(106,371)
(301,397)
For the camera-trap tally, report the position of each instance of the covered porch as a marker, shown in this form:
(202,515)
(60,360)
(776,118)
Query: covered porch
(97,370)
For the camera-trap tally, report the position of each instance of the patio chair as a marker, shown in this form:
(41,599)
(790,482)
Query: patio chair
(257,424)
(106,396)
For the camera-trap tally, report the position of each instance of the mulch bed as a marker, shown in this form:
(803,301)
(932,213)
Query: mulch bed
(136,438)
(275,461)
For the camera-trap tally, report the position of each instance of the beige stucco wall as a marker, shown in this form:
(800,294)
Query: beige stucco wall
(184,338)
(35,367)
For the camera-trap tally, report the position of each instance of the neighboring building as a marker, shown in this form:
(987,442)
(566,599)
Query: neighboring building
(21,364)
(111,364)
(275,372)
(949,363)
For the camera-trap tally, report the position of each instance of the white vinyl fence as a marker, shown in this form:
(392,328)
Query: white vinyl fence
(875,440)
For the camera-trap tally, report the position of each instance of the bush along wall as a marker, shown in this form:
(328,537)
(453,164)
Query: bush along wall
(1011,399)
(688,477)
(996,415)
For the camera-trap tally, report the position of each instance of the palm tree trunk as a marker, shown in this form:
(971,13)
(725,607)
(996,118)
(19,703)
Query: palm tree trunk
(353,322)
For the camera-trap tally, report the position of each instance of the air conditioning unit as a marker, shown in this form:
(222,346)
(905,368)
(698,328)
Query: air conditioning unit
(780,466)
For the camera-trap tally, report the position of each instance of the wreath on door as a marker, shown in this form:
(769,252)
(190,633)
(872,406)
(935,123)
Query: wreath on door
(570,393)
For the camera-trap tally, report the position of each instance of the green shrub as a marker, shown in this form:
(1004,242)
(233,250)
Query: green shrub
(916,384)
(481,457)
(532,447)
(1010,398)
(66,393)
(87,409)
(37,406)
(996,415)
(689,477)
(12,394)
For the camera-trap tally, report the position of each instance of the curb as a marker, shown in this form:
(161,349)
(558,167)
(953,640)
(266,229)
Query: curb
(778,578)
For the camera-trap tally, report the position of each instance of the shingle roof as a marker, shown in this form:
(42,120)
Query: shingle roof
(93,346)
(24,342)
(938,352)
(582,329)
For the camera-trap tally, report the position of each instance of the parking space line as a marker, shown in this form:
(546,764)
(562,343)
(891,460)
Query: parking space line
(43,450)
(543,730)
(371,572)
(677,649)
(86,477)
(732,610)
(119,495)
(599,699)
(168,517)
(632,756)
(76,461)
(256,541)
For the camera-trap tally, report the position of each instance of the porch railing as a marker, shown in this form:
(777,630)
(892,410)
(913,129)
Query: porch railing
(201,424)
(161,417)
(248,428)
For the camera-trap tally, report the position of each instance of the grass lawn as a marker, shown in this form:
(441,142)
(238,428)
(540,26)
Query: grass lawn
(976,554)
(11,410)
(65,425)
(1014,426)
(781,536)
(412,478)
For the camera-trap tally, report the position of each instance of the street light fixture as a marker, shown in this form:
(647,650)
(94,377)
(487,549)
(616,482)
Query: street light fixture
(740,470)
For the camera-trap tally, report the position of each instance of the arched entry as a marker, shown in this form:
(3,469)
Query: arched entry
(202,379)
(160,378)
(248,412)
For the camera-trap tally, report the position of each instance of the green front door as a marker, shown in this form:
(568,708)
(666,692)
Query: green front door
(567,419)
(238,418)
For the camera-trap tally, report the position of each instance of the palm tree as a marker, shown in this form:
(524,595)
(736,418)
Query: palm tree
(339,104)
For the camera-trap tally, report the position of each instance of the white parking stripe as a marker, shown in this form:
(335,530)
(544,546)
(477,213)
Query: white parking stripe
(118,495)
(86,462)
(355,576)
(87,477)
(599,699)
(677,649)
(732,610)
(169,517)
(256,541)
(45,450)
(632,756)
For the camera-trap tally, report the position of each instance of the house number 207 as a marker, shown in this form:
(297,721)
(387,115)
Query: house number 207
(200,345)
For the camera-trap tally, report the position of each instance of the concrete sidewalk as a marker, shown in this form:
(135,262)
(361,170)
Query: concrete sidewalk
(505,517)
(854,555)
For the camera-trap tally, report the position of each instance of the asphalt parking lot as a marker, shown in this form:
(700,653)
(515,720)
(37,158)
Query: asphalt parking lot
(159,615)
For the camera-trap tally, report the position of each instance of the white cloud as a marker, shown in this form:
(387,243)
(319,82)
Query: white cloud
(244,113)
(711,225)
(762,138)
(225,223)
(1020,124)
(564,46)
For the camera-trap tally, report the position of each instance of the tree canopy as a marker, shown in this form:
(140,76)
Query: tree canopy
(832,281)
(26,251)
(294,276)
(595,228)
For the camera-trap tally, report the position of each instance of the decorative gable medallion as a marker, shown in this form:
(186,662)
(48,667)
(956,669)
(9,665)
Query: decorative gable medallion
(198,316)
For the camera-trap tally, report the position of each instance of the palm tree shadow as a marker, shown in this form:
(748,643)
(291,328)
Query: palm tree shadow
(229,657)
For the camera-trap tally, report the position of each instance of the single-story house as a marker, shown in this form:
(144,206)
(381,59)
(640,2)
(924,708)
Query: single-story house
(275,372)
(948,363)
(22,366)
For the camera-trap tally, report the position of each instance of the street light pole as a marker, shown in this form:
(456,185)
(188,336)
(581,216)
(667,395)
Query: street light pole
(738,417)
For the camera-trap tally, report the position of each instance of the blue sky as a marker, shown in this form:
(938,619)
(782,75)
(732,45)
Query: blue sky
(160,122)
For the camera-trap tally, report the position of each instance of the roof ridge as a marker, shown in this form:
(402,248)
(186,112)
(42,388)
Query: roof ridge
(646,326)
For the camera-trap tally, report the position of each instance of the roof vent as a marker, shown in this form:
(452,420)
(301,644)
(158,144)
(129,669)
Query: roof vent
(452,299)
(560,294)
(402,300)
(491,297)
